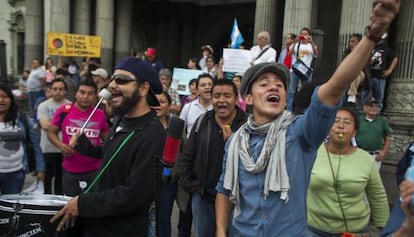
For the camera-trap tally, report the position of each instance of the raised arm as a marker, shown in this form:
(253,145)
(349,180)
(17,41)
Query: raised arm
(382,15)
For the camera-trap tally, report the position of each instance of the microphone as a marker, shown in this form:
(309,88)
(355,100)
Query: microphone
(104,94)
(172,145)
(173,140)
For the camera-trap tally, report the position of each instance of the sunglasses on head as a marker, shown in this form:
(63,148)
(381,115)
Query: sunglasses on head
(122,79)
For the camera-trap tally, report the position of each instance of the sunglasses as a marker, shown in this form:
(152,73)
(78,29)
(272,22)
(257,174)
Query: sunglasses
(122,79)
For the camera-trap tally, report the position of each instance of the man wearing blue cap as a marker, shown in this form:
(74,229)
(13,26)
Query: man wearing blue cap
(119,198)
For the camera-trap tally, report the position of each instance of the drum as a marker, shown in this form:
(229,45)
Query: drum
(29,214)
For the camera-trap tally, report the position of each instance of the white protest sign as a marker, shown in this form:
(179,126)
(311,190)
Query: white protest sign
(236,60)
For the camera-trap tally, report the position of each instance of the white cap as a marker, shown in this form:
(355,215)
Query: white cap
(100,72)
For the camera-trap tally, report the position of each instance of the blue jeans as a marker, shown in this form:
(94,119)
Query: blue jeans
(12,183)
(395,220)
(378,90)
(203,216)
(33,96)
(168,194)
(293,87)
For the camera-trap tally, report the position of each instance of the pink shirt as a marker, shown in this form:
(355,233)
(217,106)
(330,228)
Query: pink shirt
(73,122)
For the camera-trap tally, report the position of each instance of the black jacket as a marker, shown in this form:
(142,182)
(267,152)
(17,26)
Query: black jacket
(119,202)
(200,163)
(404,163)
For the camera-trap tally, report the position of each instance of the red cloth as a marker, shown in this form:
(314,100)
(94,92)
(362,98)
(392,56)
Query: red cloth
(288,60)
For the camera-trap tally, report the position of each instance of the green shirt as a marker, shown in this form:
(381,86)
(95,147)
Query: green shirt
(370,135)
(358,180)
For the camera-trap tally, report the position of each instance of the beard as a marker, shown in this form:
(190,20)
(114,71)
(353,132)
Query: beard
(128,103)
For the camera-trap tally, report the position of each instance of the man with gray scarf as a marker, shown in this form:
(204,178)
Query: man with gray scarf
(267,164)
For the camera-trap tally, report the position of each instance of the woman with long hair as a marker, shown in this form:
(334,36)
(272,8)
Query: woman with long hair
(16,137)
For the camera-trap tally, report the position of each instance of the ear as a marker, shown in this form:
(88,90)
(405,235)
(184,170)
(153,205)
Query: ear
(144,89)
(248,99)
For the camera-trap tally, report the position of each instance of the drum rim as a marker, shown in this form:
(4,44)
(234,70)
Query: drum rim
(29,211)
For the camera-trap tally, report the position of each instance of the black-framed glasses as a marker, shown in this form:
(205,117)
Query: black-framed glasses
(122,79)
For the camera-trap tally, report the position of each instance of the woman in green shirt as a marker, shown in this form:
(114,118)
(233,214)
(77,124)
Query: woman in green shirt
(345,188)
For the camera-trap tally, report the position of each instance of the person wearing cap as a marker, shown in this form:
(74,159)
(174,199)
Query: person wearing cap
(262,51)
(268,160)
(206,51)
(151,57)
(374,132)
(118,202)
(166,79)
(100,77)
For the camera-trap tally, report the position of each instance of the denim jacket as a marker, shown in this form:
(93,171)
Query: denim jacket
(40,163)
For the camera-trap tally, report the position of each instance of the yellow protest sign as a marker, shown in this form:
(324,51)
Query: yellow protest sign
(73,45)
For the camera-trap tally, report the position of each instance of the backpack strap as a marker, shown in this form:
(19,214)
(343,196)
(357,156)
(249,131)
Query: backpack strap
(66,109)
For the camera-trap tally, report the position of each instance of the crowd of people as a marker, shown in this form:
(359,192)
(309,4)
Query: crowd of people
(247,166)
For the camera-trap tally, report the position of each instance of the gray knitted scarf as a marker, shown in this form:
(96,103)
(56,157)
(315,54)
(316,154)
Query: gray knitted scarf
(272,158)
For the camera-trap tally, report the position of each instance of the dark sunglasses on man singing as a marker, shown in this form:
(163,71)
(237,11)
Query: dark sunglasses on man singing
(122,79)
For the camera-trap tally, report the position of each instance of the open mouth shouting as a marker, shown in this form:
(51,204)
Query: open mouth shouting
(273,98)
(222,108)
(116,96)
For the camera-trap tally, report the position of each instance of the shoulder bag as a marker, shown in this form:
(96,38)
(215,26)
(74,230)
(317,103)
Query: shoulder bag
(300,68)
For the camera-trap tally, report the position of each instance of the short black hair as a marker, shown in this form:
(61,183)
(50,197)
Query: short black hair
(204,75)
(356,35)
(353,114)
(194,80)
(225,82)
(58,79)
(87,82)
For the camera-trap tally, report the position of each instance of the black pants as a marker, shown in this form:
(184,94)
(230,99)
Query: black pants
(53,169)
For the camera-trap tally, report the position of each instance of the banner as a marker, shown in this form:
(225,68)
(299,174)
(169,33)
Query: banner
(181,77)
(236,60)
(73,45)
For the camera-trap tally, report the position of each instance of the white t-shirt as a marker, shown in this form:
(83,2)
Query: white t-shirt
(305,53)
(34,82)
(11,148)
(46,110)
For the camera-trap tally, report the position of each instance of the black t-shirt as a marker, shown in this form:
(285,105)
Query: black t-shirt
(381,58)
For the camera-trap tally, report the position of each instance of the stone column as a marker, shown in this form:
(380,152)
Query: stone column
(298,14)
(354,17)
(123,30)
(265,17)
(400,94)
(34,31)
(81,18)
(105,29)
(56,16)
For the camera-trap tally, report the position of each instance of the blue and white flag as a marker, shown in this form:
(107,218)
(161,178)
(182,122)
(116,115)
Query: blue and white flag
(236,37)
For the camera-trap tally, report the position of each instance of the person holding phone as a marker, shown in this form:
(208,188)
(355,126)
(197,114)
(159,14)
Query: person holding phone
(305,50)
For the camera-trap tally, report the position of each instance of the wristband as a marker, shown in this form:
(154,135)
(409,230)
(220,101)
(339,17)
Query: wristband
(373,38)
